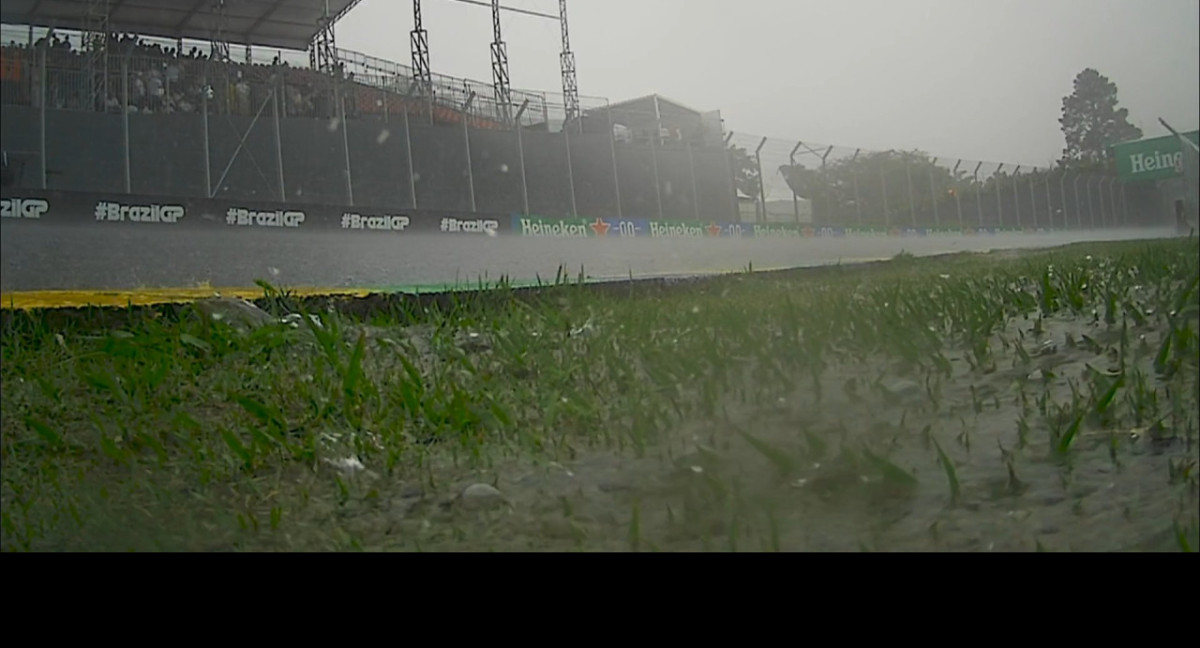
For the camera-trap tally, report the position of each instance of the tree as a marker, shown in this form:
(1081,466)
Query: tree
(834,187)
(1092,122)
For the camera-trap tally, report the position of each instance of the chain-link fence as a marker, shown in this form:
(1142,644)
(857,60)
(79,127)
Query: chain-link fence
(149,121)
(809,182)
(1188,207)
(178,119)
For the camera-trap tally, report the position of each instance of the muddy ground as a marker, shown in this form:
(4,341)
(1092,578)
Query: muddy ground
(707,487)
(36,256)
(875,458)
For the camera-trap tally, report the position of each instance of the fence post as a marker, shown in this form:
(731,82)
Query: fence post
(795,198)
(1049,201)
(125,123)
(1079,204)
(957,197)
(341,112)
(762,186)
(912,201)
(412,173)
(978,196)
(467,139)
(999,203)
(521,156)
(1062,190)
(854,184)
(1017,195)
(278,139)
(44,98)
(1032,201)
(1091,207)
(887,212)
(654,163)
(612,145)
(1112,202)
(1124,206)
(737,212)
(570,171)
(933,195)
(204,115)
(812,203)
(695,192)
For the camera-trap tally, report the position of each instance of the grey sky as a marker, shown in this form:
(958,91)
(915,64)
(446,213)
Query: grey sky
(979,79)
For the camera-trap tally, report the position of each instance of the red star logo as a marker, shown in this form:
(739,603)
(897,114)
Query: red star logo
(714,229)
(808,232)
(600,227)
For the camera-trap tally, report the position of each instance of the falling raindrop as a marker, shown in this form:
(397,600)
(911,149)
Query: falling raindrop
(383,136)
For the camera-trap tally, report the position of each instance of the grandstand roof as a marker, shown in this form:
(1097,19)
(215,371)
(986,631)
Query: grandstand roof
(646,104)
(288,24)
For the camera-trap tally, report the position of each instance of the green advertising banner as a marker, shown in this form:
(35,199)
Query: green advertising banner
(1151,159)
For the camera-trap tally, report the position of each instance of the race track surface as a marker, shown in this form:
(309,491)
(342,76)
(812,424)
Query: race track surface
(38,257)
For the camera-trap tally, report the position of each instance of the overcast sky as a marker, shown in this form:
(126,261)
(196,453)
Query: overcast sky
(958,78)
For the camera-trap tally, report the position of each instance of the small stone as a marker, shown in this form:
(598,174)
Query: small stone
(481,496)
(238,313)
(472,342)
(346,465)
(612,486)
(1037,375)
(902,387)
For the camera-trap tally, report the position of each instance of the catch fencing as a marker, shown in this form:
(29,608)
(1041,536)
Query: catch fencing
(810,182)
(152,118)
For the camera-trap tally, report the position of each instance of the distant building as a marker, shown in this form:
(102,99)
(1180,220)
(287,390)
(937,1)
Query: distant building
(637,120)
(778,211)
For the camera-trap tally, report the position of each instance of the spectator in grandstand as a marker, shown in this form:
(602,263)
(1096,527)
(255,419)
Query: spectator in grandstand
(137,90)
(156,94)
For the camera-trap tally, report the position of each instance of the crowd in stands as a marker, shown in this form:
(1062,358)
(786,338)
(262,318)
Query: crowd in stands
(142,75)
(164,79)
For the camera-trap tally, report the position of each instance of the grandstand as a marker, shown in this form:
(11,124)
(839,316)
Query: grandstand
(199,97)
(278,33)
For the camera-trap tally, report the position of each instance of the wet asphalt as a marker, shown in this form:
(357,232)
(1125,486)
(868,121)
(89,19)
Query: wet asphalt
(36,256)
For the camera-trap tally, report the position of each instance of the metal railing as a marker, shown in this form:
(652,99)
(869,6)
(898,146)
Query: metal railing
(810,182)
(180,56)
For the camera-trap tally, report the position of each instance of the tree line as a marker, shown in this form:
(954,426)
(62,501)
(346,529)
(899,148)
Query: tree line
(904,187)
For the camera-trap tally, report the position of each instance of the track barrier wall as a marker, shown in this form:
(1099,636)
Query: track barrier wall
(67,208)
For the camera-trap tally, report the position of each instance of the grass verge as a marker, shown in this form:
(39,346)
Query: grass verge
(1040,401)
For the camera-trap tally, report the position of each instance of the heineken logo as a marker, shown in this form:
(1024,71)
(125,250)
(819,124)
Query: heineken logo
(554,229)
(1156,161)
(676,230)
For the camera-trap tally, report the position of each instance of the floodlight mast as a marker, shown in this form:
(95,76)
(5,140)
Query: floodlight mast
(324,53)
(500,74)
(570,81)
(500,67)
(419,42)
(95,44)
